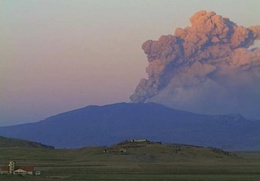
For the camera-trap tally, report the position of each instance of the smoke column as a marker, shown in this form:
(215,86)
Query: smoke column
(210,67)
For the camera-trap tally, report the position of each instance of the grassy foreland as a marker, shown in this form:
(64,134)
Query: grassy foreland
(149,162)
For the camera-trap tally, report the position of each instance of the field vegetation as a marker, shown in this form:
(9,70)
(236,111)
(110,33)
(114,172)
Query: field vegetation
(149,161)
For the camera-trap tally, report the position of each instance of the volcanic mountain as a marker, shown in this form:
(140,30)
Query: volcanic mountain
(108,124)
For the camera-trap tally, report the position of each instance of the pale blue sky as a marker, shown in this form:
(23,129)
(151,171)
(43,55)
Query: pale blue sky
(58,55)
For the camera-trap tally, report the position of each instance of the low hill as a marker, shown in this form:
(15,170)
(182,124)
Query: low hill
(11,142)
(105,125)
(157,152)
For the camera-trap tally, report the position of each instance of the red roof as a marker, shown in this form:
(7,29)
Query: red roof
(5,168)
(25,168)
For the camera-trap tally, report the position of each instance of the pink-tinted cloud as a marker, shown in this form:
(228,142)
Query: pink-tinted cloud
(208,67)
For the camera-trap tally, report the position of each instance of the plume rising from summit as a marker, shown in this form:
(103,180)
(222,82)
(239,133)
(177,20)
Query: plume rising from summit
(209,67)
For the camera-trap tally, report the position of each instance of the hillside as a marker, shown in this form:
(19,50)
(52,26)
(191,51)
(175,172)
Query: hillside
(158,152)
(11,142)
(133,152)
(105,125)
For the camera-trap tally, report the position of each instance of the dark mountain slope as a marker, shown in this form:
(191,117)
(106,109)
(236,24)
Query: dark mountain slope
(11,142)
(104,125)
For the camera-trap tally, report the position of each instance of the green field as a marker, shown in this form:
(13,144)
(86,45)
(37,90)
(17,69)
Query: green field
(149,162)
(132,177)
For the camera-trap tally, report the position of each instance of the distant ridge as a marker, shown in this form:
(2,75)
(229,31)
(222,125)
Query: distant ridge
(108,124)
(11,142)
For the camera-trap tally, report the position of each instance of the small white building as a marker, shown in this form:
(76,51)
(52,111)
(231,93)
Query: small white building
(139,140)
(20,172)
(37,173)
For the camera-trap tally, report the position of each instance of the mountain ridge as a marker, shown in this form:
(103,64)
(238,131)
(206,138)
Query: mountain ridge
(104,125)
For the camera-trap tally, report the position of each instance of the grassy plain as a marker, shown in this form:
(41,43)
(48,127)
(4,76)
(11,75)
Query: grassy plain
(150,162)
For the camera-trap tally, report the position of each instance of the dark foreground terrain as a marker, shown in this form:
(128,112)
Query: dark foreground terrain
(135,161)
(11,142)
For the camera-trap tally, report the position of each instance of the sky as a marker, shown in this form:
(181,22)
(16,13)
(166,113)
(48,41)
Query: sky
(60,55)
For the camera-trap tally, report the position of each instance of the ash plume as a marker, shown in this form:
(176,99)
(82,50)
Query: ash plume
(209,67)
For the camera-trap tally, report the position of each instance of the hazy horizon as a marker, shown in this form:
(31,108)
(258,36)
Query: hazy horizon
(62,55)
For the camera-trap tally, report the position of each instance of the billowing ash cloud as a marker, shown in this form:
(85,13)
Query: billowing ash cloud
(210,67)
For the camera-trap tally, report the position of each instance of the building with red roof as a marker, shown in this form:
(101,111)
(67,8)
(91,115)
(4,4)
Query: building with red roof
(14,169)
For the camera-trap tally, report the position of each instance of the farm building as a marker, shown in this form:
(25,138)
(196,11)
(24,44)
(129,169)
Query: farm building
(139,140)
(13,169)
(4,169)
